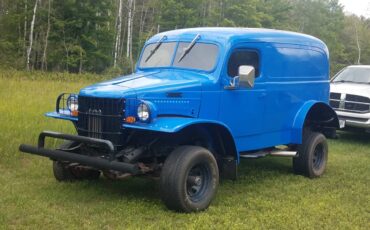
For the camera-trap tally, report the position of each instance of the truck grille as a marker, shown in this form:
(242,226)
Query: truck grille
(101,118)
(350,103)
(335,96)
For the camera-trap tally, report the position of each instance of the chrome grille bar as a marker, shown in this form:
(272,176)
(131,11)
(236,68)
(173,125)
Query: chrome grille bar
(94,127)
(349,103)
(101,118)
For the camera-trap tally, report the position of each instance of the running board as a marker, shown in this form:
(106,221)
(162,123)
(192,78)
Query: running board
(283,153)
(255,155)
(276,152)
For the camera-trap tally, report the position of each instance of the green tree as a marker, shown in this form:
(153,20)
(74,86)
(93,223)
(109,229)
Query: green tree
(81,35)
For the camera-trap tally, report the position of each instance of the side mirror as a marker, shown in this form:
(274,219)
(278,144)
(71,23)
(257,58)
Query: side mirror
(247,74)
(245,78)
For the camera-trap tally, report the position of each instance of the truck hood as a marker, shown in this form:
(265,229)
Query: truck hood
(351,88)
(146,84)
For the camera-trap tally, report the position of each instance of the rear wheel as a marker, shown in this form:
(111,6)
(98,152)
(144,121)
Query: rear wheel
(189,179)
(312,155)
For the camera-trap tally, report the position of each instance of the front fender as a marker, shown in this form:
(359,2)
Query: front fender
(61,116)
(176,124)
(171,124)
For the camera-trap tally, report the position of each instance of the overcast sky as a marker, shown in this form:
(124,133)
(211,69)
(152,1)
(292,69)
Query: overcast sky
(359,7)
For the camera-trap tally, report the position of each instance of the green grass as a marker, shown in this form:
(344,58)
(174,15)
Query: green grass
(266,196)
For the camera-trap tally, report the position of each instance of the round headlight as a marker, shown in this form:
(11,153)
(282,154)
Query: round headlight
(143,112)
(72,103)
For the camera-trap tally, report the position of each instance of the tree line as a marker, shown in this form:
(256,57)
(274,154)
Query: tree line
(107,35)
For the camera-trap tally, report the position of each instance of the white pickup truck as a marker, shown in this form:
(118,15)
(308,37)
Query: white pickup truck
(350,97)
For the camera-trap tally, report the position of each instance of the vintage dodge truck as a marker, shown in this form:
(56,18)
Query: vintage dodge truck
(200,100)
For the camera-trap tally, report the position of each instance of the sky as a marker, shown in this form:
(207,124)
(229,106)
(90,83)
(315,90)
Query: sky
(358,7)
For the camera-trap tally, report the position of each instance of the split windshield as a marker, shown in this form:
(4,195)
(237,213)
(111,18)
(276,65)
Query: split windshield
(354,75)
(201,56)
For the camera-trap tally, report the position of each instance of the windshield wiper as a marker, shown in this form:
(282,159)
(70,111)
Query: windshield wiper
(158,44)
(187,49)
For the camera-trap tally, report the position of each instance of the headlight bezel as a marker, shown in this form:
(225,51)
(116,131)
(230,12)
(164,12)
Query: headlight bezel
(151,111)
(143,112)
(72,103)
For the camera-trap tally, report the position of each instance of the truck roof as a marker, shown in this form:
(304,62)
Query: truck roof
(225,35)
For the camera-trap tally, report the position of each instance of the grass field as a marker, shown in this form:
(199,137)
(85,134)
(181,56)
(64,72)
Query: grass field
(266,196)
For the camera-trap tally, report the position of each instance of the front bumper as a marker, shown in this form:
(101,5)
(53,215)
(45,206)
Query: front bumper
(95,162)
(357,120)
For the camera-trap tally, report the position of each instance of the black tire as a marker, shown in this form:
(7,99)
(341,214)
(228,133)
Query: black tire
(189,179)
(312,155)
(85,174)
(61,172)
(64,173)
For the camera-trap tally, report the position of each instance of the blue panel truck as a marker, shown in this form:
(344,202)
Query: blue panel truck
(200,100)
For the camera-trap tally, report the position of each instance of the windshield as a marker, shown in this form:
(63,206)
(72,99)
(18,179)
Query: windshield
(160,58)
(354,74)
(201,56)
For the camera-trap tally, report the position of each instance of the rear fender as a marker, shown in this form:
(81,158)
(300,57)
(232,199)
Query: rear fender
(314,113)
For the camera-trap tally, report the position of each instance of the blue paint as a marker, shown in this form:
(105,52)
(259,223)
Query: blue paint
(294,76)
(170,124)
(61,116)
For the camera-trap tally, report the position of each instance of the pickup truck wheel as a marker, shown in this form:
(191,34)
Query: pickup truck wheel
(312,155)
(189,179)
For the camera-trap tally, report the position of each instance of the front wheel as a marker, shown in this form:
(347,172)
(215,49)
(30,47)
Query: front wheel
(189,179)
(63,172)
(312,155)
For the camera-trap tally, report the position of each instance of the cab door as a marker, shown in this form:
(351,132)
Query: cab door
(243,109)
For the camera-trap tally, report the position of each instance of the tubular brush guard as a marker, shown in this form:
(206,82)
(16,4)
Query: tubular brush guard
(96,162)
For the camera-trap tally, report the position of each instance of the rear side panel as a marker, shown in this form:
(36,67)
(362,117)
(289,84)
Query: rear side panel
(297,74)
(292,75)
